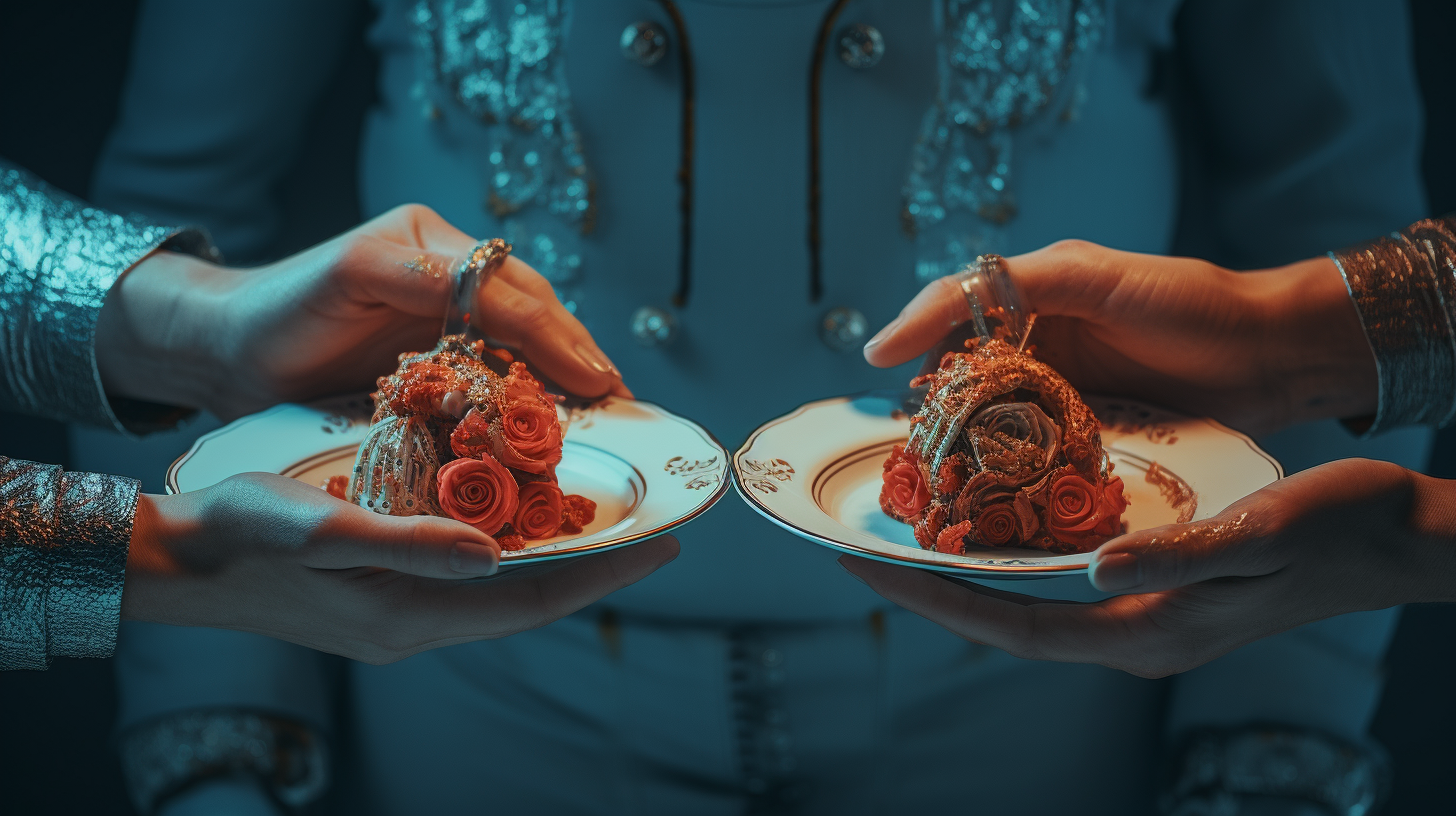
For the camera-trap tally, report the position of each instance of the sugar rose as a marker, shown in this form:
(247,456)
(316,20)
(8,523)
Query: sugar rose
(1079,511)
(479,492)
(538,514)
(528,437)
(904,493)
(998,525)
(1113,505)
(1000,433)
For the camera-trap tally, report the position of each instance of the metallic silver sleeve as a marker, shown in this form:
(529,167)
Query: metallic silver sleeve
(58,259)
(165,757)
(1404,287)
(63,545)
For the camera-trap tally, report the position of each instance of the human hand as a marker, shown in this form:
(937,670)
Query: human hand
(1257,350)
(330,319)
(1344,537)
(268,554)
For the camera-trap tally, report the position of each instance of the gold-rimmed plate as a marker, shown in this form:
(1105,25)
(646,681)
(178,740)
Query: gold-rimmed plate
(816,472)
(648,469)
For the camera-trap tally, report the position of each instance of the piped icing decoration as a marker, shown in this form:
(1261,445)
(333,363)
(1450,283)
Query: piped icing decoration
(1003,453)
(451,437)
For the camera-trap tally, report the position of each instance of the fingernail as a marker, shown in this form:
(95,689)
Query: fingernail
(885,332)
(1118,572)
(469,558)
(596,360)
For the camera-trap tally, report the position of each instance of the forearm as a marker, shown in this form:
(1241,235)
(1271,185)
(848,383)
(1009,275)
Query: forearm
(1316,362)
(1425,561)
(158,332)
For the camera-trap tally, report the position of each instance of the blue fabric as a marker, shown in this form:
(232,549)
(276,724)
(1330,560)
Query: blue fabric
(1300,134)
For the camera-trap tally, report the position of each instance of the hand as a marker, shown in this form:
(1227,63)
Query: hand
(1257,350)
(267,554)
(331,319)
(1344,537)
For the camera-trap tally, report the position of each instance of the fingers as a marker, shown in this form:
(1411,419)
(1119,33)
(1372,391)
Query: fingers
(1177,555)
(419,226)
(928,317)
(1117,632)
(415,281)
(516,306)
(982,618)
(1067,279)
(427,546)
(555,341)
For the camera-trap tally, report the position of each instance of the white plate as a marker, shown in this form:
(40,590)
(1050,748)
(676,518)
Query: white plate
(816,473)
(647,469)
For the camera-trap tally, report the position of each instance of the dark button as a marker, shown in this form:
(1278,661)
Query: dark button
(644,43)
(652,326)
(861,46)
(843,328)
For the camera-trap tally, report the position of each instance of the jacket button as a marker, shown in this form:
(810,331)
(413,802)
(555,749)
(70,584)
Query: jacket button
(644,43)
(843,328)
(860,45)
(652,326)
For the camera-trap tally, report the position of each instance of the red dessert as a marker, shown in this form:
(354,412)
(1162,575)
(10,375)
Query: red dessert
(451,437)
(1003,453)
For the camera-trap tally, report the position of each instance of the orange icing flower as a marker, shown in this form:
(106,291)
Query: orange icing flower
(471,438)
(528,437)
(953,538)
(479,492)
(337,486)
(904,493)
(576,513)
(998,525)
(538,513)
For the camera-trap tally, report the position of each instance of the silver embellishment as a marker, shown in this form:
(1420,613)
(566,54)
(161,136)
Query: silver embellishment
(58,260)
(63,544)
(860,45)
(502,62)
(395,469)
(652,326)
(1404,289)
(1003,67)
(843,328)
(163,757)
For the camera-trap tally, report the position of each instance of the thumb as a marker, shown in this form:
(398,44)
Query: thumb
(1177,555)
(427,546)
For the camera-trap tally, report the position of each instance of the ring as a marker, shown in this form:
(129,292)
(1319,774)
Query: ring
(991,295)
(475,272)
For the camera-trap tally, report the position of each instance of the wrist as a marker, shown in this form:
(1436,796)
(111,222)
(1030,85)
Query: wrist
(1428,560)
(160,329)
(156,567)
(1319,364)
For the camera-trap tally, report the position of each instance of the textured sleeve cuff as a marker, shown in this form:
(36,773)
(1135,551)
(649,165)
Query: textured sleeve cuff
(1404,288)
(59,259)
(64,539)
(168,756)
